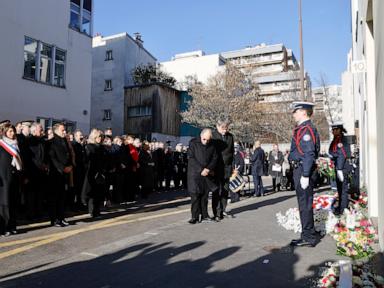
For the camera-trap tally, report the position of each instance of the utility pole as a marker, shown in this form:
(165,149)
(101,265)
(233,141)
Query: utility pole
(303,95)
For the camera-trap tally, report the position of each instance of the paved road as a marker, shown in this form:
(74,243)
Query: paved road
(153,246)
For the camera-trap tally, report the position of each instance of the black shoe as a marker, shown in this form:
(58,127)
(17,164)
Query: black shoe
(192,221)
(58,223)
(215,218)
(6,234)
(64,222)
(302,243)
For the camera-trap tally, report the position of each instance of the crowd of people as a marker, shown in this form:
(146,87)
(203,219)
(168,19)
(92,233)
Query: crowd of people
(50,172)
(47,172)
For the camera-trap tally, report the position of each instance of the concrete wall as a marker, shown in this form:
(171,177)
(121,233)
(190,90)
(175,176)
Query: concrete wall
(127,54)
(48,22)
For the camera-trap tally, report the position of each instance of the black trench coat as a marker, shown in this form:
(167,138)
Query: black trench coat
(199,157)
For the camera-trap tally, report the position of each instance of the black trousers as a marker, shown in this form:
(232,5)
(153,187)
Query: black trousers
(342,190)
(258,184)
(35,195)
(220,197)
(199,205)
(56,197)
(305,201)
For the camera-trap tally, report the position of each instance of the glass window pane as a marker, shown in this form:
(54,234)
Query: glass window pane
(59,75)
(75,15)
(46,50)
(45,69)
(87,5)
(30,45)
(29,65)
(60,55)
(76,2)
(86,28)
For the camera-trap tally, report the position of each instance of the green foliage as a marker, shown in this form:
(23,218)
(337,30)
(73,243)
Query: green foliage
(147,74)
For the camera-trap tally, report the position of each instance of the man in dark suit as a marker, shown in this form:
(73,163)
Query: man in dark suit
(202,159)
(79,168)
(60,167)
(257,162)
(224,144)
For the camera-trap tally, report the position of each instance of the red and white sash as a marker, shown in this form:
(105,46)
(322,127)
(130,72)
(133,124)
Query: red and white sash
(16,161)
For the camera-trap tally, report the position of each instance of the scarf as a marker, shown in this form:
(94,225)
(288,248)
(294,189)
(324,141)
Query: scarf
(12,148)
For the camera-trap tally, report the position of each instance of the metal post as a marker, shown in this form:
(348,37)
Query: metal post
(303,95)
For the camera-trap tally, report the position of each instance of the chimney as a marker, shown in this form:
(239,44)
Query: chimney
(138,39)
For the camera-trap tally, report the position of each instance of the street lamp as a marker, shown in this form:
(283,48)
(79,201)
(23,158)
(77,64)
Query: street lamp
(303,95)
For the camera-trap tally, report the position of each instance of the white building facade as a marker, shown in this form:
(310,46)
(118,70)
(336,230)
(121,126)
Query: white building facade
(114,58)
(46,61)
(195,64)
(368,91)
(348,99)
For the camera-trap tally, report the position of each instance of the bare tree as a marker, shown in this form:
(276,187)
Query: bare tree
(228,94)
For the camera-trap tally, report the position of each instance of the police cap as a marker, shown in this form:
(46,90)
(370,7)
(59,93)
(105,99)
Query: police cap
(302,105)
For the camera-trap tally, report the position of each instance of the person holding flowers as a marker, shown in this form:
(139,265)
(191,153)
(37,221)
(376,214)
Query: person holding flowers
(340,152)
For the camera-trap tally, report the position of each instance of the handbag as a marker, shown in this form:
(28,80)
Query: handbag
(276,168)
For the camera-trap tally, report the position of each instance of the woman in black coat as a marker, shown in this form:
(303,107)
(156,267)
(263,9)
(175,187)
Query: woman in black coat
(257,161)
(146,171)
(276,159)
(10,164)
(95,182)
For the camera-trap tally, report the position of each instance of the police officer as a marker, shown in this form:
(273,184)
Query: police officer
(305,147)
(340,153)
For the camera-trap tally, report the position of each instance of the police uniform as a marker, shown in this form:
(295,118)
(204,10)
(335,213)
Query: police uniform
(305,147)
(340,153)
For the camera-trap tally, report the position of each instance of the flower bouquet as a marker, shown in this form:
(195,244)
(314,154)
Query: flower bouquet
(324,201)
(326,168)
(355,235)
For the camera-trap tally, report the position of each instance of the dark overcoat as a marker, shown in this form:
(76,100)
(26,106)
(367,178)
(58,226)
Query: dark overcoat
(8,183)
(200,156)
(146,170)
(257,162)
(273,160)
(225,149)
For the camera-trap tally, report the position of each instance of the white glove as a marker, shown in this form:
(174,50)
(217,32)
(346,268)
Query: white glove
(304,182)
(340,175)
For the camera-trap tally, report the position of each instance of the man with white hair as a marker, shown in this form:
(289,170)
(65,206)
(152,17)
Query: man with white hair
(202,159)
(37,171)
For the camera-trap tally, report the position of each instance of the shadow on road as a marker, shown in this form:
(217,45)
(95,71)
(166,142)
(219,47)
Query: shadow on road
(260,204)
(164,265)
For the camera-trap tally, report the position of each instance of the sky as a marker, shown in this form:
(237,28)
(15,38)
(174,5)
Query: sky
(169,27)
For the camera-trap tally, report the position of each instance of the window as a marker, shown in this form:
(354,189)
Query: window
(44,63)
(108,85)
(81,16)
(107,114)
(30,49)
(139,111)
(108,55)
(75,14)
(86,21)
(59,68)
